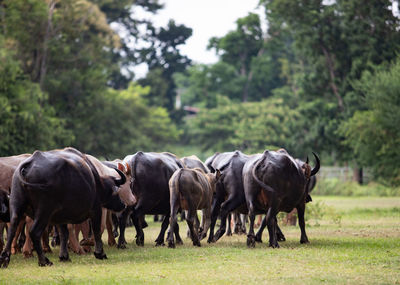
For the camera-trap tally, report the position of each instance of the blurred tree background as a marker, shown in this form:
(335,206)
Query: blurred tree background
(319,76)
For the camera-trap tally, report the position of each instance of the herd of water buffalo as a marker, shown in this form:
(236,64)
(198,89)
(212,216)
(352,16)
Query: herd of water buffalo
(66,187)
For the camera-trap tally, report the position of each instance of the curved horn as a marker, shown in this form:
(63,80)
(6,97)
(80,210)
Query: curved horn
(316,168)
(307,159)
(123,178)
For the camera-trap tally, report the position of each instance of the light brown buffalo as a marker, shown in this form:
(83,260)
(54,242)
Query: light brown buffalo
(191,190)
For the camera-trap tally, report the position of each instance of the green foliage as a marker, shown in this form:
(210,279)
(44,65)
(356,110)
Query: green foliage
(374,134)
(336,187)
(318,210)
(201,84)
(250,127)
(163,58)
(27,122)
(124,125)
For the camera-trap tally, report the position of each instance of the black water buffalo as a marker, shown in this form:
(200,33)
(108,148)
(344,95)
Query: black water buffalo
(60,187)
(150,173)
(229,194)
(191,190)
(310,186)
(274,182)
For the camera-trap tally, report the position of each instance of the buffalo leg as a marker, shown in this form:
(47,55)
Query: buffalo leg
(28,247)
(109,227)
(16,245)
(251,240)
(39,224)
(64,235)
(228,206)
(229,224)
(96,225)
(16,216)
(279,235)
(271,222)
(45,240)
(302,224)
(137,222)
(173,222)
(74,240)
(215,210)
(177,236)
(207,221)
(2,227)
(160,239)
(122,220)
(190,219)
(56,237)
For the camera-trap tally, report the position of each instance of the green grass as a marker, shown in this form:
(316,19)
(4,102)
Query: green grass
(363,249)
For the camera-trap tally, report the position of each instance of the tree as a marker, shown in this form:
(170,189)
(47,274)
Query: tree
(164,55)
(250,127)
(374,133)
(27,121)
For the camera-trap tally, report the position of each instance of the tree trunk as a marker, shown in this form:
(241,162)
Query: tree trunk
(43,66)
(358,174)
(331,68)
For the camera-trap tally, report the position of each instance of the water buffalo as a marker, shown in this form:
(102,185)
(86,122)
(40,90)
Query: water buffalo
(291,218)
(229,194)
(60,187)
(191,190)
(150,174)
(8,165)
(274,182)
(193,162)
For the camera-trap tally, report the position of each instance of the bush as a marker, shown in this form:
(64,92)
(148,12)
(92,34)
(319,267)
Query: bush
(336,187)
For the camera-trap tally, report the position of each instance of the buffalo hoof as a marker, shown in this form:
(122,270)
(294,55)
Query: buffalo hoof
(304,241)
(140,241)
(115,233)
(45,262)
(4,260)
(258,238)
(100,255)
(27,254)
(202,236)
(64,258)
(171,245)
(251,241)
(179,242)
(87,242)
(47,250)
(274,245)
(197,243)
(160,243)
(218,235)
(281,238)
(121,246)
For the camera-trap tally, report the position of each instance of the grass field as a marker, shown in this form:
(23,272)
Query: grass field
(357,241)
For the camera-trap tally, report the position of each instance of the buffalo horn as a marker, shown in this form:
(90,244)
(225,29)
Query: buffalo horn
(316,168)
(123,178)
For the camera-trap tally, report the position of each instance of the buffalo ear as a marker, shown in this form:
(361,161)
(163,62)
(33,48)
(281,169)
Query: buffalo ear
(121,167)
